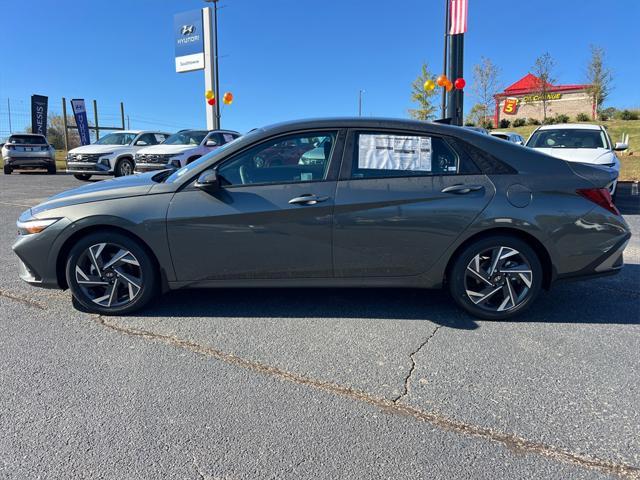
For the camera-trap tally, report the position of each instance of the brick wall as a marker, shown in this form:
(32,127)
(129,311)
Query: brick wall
(571,104)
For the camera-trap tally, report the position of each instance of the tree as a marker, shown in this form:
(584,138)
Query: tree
(599,77)
(477,114)
(486,84)
(543,70)
(423,97)
(55,132)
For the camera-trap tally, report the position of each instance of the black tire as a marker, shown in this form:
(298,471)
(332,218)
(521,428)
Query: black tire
(88,296)
(460,276)
(8,170)
(124,167)
(82,176)
(51,169)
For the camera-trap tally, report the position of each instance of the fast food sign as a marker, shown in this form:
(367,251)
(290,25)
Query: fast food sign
(510,106)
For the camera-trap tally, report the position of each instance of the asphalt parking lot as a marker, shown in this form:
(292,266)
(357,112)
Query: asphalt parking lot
(251,384)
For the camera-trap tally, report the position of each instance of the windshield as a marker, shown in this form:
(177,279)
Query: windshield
(190,137)
(568,138)
(116,139)
(195,164)
(27,139)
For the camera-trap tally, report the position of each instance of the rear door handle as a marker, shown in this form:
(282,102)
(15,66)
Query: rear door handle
(307,199)
(461,189)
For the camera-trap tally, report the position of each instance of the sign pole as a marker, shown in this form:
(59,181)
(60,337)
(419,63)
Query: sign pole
(456,96)
(216,72)
(447,9)
(210,75)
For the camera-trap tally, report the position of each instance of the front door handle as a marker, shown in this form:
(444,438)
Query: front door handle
(462,189)
(307,199)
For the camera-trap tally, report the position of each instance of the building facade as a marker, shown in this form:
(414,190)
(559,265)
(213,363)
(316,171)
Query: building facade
(522,100)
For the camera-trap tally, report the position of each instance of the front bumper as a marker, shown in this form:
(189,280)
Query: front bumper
(89,168)
(149,167)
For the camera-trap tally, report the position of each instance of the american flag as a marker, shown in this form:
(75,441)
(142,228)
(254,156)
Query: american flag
(458,16)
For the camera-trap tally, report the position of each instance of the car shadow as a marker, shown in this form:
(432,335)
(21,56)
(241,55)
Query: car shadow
(610,300)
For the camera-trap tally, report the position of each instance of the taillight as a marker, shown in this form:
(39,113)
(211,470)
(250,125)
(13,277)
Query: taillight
(601,197)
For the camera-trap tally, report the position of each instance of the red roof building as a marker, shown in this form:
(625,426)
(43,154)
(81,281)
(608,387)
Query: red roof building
(522,100)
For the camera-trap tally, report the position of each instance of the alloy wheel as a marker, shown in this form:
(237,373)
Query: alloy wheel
(498,279)
(109,275)
(125,168)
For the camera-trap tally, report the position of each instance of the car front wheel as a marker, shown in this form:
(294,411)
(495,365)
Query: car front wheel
(124,167)
(82,176)
(110,273)
(495,278)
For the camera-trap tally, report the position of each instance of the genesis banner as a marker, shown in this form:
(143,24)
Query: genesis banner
(39,105)
(80,114)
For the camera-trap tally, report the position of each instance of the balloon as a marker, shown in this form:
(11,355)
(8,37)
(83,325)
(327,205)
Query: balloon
(429,85)
(460,83)
(211,101)
(227,98)
(209,94)
(442,80)
(449,86)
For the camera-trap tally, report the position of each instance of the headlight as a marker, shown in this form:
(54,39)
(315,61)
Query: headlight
(35,226)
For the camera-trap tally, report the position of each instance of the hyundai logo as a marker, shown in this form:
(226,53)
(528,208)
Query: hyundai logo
(187,29)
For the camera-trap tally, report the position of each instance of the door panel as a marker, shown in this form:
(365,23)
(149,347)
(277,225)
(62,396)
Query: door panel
(401,226)
(251,232)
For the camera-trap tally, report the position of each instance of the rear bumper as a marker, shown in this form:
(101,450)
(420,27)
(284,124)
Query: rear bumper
(89,168)
(29,162)
(609,263)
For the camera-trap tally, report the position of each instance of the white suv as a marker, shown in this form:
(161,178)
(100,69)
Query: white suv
(579,142)
(182,148)
(113,154)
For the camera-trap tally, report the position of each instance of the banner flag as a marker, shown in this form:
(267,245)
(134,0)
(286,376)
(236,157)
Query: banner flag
(458,16)
(80,114)
(39,104)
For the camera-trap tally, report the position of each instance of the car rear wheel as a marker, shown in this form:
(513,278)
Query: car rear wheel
(7,170)
(111,274)
(495,278)
(82,176)
(124,167)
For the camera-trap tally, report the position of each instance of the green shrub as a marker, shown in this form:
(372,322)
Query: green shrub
(504,123)
(583,117)
(549,121)
(488,124)
(561,118)
(628,115)
(533,121)
(469,124)
(519,122)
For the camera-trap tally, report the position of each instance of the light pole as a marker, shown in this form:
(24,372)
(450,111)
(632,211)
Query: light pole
(360,102)
(216,77)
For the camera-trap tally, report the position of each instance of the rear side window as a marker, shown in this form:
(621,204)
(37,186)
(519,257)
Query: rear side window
(379,154)
(27,139)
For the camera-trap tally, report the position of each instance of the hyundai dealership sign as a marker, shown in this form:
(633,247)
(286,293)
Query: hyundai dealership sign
(189,41)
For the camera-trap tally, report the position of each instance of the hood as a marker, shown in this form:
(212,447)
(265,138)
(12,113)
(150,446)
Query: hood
(121,187)
(165,149)
(596,156)
(97,149)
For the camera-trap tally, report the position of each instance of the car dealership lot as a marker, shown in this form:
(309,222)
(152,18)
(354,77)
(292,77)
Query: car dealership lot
(316,383)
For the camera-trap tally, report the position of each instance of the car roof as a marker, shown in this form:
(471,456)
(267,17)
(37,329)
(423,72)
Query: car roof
(27,134)
(503,133)
(575,126)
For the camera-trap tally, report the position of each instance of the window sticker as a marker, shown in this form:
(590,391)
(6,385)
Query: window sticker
(394,152)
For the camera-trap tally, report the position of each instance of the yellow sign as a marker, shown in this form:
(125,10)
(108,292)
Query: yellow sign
(537,98)
(510,106)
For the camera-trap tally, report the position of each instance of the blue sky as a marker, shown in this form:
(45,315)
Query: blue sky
(287,59)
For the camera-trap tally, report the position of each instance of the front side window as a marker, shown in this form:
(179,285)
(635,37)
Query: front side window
(295,158)
(147,139)
(116,139)
(568,138)
(396,155)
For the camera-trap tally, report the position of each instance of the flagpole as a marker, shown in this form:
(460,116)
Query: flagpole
(447,10)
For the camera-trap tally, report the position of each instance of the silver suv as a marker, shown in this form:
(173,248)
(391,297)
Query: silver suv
(28,151)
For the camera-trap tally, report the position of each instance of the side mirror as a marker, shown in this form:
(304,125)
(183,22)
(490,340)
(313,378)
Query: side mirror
(619,147)
(141,143)
(208,181)
(211,143)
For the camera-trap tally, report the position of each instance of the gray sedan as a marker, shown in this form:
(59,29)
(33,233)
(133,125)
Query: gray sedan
(384,203)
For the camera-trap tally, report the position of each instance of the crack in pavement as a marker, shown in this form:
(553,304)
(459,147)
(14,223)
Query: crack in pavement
(22,299)
(198,470)
(510,441)
(407,379)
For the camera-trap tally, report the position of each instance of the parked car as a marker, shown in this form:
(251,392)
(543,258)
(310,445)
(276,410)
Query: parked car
(28,151)
(509,137)
(113,154)
(390,203)
(580,142)
(181,149)
(482,130)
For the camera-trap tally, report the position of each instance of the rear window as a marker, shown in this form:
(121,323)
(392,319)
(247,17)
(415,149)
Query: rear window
(27,139)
